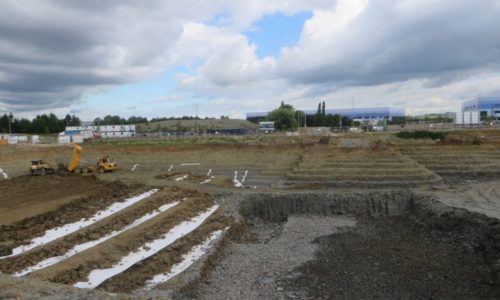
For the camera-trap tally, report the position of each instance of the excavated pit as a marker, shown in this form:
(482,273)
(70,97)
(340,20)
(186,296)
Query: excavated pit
(404,245)
(277,207)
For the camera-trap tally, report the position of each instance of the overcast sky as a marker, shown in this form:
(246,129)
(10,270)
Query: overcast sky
(228,57)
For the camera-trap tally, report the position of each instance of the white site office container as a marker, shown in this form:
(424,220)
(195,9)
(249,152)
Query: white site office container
(12,139)
(64,139)
(22,139)
(77,138)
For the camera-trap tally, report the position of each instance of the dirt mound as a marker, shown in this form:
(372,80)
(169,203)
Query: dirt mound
(96,195)
(461,138)
(394,258)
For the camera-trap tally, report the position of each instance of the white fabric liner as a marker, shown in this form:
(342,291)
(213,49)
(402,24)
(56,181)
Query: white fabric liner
(187,260)
(98,276)
(84,246)
(5,176)
(58,232)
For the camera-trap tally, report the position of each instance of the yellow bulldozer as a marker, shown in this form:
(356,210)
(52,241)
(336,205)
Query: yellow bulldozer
(104,164)
(40,167)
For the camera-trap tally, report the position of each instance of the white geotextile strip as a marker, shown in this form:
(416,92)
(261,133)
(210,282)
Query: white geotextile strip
(187,260)
(58,232)
(98,276)
(84,246)
(2,172)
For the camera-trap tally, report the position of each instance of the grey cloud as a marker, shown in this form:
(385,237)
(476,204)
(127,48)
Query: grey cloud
(54,52)
(441,41)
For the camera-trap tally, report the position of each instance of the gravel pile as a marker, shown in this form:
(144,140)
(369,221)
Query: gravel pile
(255,270)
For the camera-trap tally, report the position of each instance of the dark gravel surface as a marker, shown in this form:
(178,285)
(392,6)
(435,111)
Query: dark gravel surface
(395,258)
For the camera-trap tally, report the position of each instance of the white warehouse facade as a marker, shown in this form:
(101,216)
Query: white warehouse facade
(486,106)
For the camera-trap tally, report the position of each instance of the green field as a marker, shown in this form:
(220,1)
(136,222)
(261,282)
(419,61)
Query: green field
(190,125)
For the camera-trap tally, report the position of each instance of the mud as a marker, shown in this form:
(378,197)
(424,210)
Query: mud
(94,232)
(197,179)
(407,243)
(21,232)
(406,246)
(396,258)
(135,277)
(27,196)
(129,241)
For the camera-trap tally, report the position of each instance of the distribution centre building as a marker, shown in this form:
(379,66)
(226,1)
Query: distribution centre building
(486,106)
(361,113)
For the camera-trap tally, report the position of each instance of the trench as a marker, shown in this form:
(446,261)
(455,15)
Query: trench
(277,207)
(444,252)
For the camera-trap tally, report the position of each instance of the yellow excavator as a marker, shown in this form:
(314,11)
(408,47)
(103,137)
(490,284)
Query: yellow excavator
(104,164)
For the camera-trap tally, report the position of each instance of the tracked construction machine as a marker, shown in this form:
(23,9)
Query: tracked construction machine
(104,164)
(40,167)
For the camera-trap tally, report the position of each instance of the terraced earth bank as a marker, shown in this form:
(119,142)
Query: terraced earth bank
(349,218)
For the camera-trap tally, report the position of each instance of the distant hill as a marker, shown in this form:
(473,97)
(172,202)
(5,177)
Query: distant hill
(190,125)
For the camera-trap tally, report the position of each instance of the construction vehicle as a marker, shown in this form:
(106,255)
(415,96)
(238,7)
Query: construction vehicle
(40,167)
(104,164)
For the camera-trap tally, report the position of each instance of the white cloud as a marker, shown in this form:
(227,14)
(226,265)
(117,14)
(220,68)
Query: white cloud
(382,52)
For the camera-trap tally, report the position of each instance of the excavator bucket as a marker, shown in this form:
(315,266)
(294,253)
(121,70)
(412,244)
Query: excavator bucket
(75,160)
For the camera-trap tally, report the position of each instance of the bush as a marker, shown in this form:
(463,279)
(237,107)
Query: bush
(422,134)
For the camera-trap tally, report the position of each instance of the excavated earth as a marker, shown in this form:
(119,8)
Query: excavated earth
(345,218)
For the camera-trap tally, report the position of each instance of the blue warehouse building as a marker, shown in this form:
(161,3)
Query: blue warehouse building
(487,106)
(362,113)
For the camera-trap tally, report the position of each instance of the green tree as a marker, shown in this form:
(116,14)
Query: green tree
(284,118)
(4,123)
(319,119)
(22,126)
(346,121)
(40,124)
(54,124)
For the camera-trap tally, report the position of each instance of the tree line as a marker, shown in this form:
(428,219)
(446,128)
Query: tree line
(41,124)
(286,117)
(117,120)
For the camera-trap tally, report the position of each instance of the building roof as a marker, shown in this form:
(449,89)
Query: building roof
(360,112)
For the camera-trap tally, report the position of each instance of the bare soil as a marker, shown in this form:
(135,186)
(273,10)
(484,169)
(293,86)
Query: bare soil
(94,232)
(21,232)
(395,258)
(400,257)
(106,255)
(27,196)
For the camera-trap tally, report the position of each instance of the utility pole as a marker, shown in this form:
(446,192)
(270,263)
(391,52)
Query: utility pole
(298,120)
(197,133)
(352,125)
(10,121)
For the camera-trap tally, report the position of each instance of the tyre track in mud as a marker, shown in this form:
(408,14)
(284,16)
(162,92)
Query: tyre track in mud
(97,230)
(105,255)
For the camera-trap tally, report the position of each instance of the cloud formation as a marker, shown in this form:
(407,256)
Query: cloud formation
(53,53)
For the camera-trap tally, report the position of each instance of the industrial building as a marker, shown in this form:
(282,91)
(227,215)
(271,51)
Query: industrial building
(486,106)
(104,131)
(358,114)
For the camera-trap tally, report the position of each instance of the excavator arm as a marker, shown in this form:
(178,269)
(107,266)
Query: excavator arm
(75,160)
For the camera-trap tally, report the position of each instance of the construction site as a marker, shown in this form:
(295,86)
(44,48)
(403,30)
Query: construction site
(351,216)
